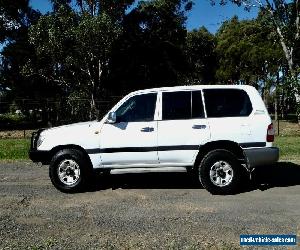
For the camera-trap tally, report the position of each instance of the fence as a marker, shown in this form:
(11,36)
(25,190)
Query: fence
(24,115)
(29,114)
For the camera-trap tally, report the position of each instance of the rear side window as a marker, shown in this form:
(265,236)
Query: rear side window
(227,103)
(176,105)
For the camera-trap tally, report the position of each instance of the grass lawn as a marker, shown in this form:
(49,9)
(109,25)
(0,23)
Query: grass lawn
(289,147)
(14,149)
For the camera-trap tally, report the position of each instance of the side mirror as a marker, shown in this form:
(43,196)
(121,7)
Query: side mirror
(112,118)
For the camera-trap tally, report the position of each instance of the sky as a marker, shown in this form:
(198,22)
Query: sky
(202,14)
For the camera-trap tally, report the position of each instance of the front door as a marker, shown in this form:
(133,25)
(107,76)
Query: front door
(132,140)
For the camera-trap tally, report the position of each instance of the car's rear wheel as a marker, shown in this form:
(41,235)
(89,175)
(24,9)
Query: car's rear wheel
(220,173)
(69,170)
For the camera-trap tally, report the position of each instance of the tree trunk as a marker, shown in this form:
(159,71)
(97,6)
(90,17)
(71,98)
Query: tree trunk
(288,51)
(275,108)
(298,107)
(92,95)
(276,98)
(92,106)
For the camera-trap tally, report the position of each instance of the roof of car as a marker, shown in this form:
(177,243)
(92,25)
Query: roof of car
(193,87)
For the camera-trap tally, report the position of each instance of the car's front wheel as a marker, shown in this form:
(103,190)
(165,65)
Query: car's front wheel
(220,173)
(69,170)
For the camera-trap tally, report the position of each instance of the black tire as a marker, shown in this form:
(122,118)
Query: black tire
(61,160)
(219,181)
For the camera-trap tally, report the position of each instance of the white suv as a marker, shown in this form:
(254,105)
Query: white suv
(219,132)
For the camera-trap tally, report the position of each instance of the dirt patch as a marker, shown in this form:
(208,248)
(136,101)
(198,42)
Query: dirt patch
(16,134)
(287,128)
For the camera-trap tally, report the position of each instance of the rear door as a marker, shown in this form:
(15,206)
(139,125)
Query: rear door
(182,127)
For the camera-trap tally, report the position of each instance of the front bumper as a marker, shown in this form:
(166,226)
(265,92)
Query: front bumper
(39,156)
(261,156)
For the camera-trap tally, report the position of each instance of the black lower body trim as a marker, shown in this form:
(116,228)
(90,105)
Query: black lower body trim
(163,148)
(142,149)
(180,147)
(252,144)
(93,151)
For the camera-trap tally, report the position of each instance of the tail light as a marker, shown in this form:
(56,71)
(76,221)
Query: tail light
(270,133)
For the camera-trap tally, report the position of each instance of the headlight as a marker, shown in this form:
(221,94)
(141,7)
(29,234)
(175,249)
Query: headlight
(40,140)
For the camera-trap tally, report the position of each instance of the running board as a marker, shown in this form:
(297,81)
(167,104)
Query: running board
(148,170)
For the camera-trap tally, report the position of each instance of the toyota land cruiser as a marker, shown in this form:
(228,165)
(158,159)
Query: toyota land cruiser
(218,132)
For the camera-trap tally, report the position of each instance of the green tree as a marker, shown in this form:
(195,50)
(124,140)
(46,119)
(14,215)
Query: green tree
(201,56)
(284,16)
(15,20)
(247,53)
(73,51)
(150,51)
(114,8)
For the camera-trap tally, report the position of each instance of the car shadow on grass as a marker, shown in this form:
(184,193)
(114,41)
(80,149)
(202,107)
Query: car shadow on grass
(281,174)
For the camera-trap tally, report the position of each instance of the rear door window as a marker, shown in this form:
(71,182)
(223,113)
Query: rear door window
(176,105)
(227,103)
(197,106)
(182,105)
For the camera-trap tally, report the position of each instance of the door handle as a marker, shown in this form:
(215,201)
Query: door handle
(199,126)
(147,129)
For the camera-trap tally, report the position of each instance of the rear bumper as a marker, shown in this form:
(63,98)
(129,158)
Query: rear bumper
(261,156)
(39,156)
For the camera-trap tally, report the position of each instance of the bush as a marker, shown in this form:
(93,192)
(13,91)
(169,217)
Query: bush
(10,121)
(11,118)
